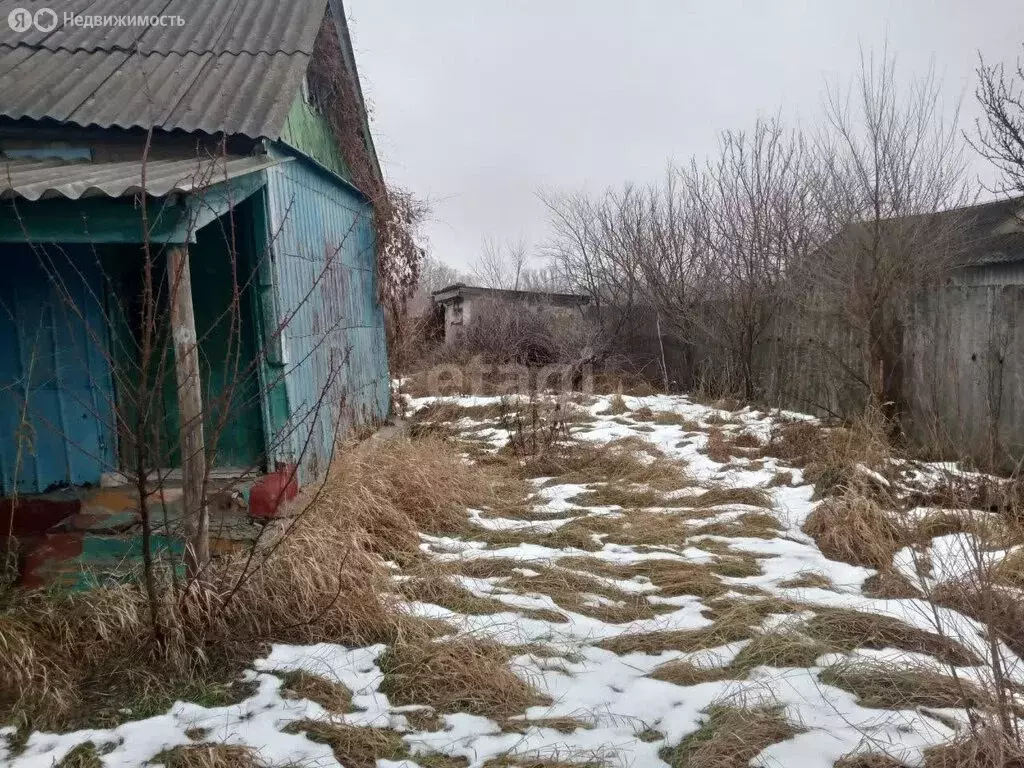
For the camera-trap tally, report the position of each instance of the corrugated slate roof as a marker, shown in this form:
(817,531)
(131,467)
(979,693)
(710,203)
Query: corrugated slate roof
(234,67)
(34,179)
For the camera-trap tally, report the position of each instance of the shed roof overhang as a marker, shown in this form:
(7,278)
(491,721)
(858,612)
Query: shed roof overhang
(159,201)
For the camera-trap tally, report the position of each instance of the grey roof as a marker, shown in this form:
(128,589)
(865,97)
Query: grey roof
(41,179)
(233,67)
(995,232)
(461,289)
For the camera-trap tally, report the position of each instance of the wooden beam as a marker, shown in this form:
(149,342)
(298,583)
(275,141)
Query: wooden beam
(190,412)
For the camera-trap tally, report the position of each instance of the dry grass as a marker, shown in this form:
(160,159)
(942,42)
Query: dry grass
(723,446)
(716,497)
(560,724)
(808,580)
(780,479)
(888,686)
(209,756)
(731,738)
(998,608)
(361,747)
(888,584)
(329,694)
(627,461)
(734,619)
(397,488)
(845,630)
(83,756)
(868,760)
(759,525)
(684,640)
(684,673)
(985,748)
(778,649)
(457,674)
(628,497)
(855,529)
(672,577)
(616,405)
(586,594)
(77,660)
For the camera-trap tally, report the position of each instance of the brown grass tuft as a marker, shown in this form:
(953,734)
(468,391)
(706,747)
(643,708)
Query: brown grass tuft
(731,738)
(684,673)
(355,746)
(329,694)
(888,584)
(778,649)
(82,756)
(616,405)
(715,497)
(672,577)
(758,525)
(901,687)
(998,608)
(808,579)
(209,756)
(855,529)
(728,628)
(626,461)
(845,630)
(456,674)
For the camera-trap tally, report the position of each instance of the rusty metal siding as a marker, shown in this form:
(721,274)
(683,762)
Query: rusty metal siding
(333,341)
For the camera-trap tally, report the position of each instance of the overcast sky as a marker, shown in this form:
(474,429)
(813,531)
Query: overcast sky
(478,103)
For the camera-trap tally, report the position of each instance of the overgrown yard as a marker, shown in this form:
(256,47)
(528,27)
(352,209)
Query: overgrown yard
(610,580)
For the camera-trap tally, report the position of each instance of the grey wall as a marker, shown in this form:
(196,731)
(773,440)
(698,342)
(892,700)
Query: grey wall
(963,355)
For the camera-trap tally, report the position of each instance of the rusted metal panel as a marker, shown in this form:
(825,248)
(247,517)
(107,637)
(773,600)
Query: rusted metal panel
(335,356)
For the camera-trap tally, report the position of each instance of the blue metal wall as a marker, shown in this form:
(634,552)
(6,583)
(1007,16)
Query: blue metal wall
(56,393)
(334,355)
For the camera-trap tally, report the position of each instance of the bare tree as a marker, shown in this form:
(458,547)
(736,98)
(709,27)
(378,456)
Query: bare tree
(890,162)
(750,214)
(435,274)
(501,265)
(1001,135)
(597,247)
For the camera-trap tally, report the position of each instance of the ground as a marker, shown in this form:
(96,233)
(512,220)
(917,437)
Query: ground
(656,599)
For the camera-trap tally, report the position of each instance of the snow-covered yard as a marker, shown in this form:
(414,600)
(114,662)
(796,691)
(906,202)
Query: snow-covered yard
(631,690)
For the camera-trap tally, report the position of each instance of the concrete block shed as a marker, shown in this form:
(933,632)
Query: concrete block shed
(121,149)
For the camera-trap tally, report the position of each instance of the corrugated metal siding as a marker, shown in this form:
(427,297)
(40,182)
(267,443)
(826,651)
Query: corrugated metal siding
(326,284)
(54,370)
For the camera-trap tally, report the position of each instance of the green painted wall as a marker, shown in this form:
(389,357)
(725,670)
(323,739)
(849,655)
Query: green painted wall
(310,133)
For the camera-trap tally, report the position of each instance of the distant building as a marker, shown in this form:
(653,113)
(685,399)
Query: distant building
(463,304)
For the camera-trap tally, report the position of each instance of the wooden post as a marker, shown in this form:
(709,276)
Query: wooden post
(190,412)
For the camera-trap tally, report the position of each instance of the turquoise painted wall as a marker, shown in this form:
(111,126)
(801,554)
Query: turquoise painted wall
(333,347)
(56,392)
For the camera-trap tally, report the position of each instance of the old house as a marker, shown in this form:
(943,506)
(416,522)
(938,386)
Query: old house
(182,194)
(463,304)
